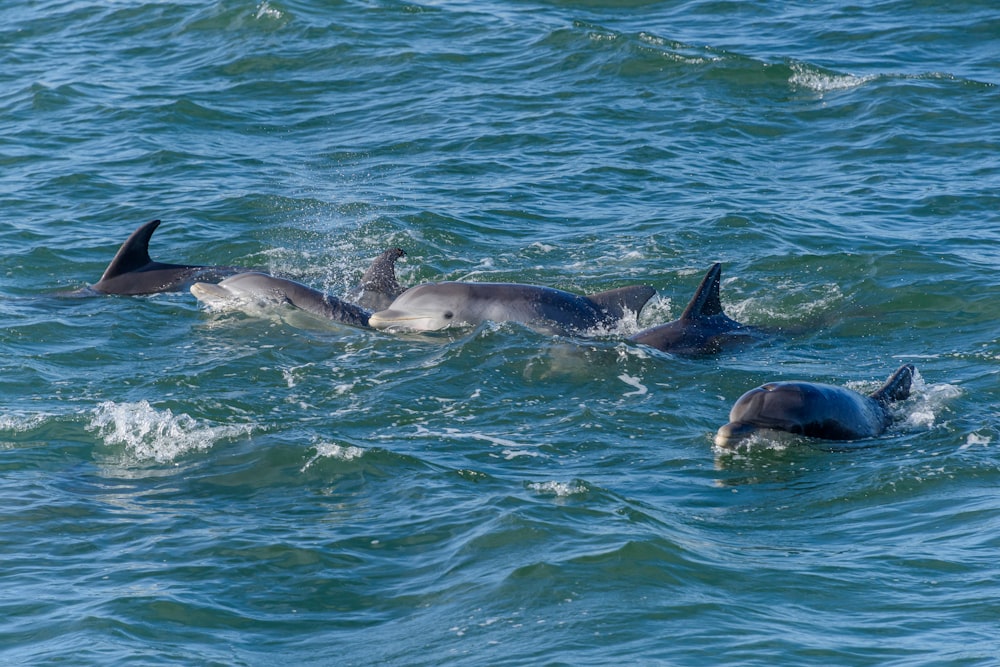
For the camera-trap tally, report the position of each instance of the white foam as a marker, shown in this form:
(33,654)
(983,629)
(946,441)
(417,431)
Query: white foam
(558,489)
(926,402)
(21,423)
(329,450)
(148,433)
(822,82)
(264,10)
(640,388)
(974,439)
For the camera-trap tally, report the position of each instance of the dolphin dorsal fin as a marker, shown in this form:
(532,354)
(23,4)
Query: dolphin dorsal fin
(134,253)
(381,275)
(706,302)
(897,387)
(615,302)
(379,286)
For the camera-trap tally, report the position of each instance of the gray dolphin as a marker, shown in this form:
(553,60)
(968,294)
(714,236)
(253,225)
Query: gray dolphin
(434,306)
(263,287)
(702,328)
(132,272)
(815,410)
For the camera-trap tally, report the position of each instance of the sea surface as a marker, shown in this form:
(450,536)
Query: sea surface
(252,486)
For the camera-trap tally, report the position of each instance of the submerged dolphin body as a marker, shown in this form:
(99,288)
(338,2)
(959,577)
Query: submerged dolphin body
(132,272)
(703,327)
(434,306)
(814,410)
(263,287)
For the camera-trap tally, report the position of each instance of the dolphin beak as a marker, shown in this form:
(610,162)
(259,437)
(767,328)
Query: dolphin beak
(383,319)
(209,292)
(394,319)
(733,433)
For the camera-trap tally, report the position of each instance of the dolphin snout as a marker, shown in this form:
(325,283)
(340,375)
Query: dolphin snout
(384,319)
(209,292)
(733,433)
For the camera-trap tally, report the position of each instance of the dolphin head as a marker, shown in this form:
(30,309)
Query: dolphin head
(248,286)
(778,406)
(427,307)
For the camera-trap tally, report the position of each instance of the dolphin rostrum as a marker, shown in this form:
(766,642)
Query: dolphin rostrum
(815,410)
(133,273)
(703,327)
(434,306)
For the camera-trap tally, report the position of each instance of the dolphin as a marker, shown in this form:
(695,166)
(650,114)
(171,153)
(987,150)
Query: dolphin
(263,287)
(132,272)
(703,327)
(435,306)
(814,410)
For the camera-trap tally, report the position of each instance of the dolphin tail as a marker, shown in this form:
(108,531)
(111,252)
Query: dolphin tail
(897,387)
(706,301)
(614,303)
(134,253)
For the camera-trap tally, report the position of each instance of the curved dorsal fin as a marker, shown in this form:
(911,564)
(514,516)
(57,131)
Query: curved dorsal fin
(897,387)
(381,275)
(134,253)
(706,302)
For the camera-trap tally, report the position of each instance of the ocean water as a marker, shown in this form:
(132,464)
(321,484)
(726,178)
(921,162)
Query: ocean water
(194,487)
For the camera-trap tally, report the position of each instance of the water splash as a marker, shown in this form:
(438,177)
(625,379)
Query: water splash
(806,76)
(558,489)
(159,435)
(329,450)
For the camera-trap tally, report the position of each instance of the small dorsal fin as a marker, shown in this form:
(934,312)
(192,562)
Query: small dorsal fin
(706,302)
(897,387)
(134,253)
(615,302)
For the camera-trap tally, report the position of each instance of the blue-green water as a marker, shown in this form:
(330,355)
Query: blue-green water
(179,486)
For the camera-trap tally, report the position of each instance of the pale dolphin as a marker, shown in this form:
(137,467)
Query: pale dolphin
(434,306)
(133,273)
(703,327)
(262,287)
(814,410)
(379,286)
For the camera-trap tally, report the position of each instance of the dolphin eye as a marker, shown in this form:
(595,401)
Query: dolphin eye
(448,314)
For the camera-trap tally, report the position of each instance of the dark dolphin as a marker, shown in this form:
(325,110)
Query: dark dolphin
(132,272)
(815,410)
(703,327)
(435,306)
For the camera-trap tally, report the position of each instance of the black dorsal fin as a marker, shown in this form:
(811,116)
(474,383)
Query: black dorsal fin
(897,387)
(134,253)
(616,301)
(706,302)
